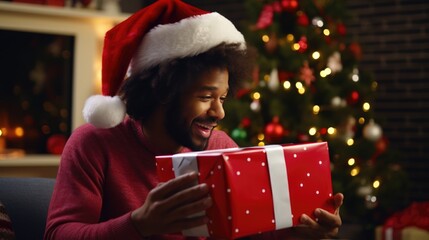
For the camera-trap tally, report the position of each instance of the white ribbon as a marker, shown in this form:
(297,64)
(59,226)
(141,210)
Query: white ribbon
(279,186)
(185,163)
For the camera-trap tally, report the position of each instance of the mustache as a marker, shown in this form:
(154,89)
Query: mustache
(208,121)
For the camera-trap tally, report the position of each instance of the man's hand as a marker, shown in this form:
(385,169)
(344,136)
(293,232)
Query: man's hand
(168,206)
(327,224)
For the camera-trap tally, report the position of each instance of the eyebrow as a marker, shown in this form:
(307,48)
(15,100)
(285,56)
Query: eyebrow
(209,88)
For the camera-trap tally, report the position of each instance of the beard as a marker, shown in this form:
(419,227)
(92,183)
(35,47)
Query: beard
(181,132)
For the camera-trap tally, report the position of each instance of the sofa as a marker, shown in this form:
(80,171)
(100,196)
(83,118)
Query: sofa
(26,201)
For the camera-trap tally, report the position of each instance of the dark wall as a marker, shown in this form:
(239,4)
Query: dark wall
(394,35)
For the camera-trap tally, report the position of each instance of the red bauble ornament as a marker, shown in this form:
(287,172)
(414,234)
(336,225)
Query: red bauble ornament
(302,19)
(302,44)
(356,50)
(246,122)
(289,5)
(274,131)
(353,98)
(341,29)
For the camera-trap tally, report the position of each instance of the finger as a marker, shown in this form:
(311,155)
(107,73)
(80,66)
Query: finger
(306,220)
(194,207)
(186,223)
(327,219)
(172,186)
(186,196)
(338,202)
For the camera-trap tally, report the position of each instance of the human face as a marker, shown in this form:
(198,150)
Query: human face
(191,120)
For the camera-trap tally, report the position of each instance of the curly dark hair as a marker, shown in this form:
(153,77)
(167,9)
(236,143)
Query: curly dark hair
(145,91)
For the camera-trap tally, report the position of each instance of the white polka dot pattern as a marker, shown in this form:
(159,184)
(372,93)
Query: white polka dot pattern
(240,186)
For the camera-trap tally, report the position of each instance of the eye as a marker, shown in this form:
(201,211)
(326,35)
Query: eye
(205,98)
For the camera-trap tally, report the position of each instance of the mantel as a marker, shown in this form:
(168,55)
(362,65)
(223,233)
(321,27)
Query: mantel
(52,11)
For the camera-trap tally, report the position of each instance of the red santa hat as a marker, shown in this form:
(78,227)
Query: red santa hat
(165,30)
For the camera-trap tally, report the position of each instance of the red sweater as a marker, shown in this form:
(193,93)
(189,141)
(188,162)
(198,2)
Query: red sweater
(103,176)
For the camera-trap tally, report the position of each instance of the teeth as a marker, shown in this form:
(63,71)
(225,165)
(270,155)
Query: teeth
(204,126)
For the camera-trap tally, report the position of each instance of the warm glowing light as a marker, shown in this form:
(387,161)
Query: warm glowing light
(326,32)
(316,109)
(376,184)
(298,85)
(261,144)
(267,77)
(317,22)
(295,46)
(286,84)
(265,38)
(374,86)
(256,95)
(355,78)
(366,106)
(301,91)
(361,120)
(19,131)
(290,37)
(1,133)
(325,72)
(355,171)
(351,162)
(350,141)
(332,130)
(316,55)
(261,136)
(312,131)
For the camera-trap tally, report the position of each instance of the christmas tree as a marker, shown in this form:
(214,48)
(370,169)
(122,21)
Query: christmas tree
(306,87)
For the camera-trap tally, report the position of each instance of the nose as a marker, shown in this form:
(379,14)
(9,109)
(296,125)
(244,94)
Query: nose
(216,110)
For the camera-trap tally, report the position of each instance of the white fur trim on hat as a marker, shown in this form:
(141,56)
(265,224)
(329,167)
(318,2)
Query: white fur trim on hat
(104,111)
(188,37)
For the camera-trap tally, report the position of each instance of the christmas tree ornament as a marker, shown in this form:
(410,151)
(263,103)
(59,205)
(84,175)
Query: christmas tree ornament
(289,5)
(302,44)
(302,19)
(371,201)
(317,22)
(355,75)
(364,190)
(246,122)
(372,131)
(334,62)
(255,105)
(274,82)
(341,29)
(274,131)
(306,74)
(239,134)
(353,97)
(337,102)
(266,17)
(356,50)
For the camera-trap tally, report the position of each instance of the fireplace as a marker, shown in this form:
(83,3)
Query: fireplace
(49,64)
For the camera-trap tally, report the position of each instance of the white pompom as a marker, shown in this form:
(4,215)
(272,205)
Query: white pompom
(104,111)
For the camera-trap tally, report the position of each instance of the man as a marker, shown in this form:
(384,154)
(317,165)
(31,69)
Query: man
(182,63)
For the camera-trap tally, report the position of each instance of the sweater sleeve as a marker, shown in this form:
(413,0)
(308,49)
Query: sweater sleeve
(76,204)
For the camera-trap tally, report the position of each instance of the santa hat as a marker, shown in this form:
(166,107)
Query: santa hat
(165,30)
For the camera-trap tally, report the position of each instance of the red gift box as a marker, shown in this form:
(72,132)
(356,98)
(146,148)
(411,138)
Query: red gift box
(256,189)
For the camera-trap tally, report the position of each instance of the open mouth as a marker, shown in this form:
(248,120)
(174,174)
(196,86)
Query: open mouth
(204,130)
